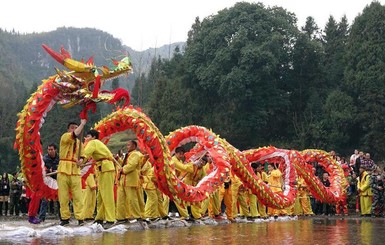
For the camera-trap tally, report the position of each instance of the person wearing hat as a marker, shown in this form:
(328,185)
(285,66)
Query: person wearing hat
(364,191)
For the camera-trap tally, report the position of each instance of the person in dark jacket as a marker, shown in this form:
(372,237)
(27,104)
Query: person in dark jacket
(51,161)
(4,193)
(15,195)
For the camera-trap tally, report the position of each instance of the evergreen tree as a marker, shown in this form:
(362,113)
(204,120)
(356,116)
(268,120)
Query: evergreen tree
(307,87)
(365,79)
(334,42)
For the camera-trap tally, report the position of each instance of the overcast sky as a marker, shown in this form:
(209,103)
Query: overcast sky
(151,23)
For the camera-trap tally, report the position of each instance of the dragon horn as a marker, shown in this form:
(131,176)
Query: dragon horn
(59,57)
(65,59)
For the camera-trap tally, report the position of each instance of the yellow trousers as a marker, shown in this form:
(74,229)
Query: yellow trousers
(214,207)
(304,203)
(234,197)
(277,212)
(226,196)
(239,197)
(105,208)
(243,204)
(183,212)
(142,204)
(128,206)
(163,203)
(70,184)
(253,206)
(290,210)
(204,206)
(151,209)
(89,202)
(365,204)
(261,209)
(196,210)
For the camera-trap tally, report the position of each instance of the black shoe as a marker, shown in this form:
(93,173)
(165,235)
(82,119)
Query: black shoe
(81,222)
(121,221)
(108,225)
(148,221)
(64,222)
(154,219)
(189,219)
(100,222)
(167,218)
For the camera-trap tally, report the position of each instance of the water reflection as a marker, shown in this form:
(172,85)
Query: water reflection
(309,231)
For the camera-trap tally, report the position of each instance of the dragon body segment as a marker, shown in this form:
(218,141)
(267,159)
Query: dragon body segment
(159,149)
(226,158)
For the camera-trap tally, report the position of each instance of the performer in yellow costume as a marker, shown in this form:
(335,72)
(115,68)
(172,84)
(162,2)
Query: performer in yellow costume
(253,198)
(193,179)
(239,196)
(153,206)
(128,204)
(303,198)
(214,207)
(226,195)
(263,176)
(68,177)
(275,183)
(184,169)
(364,191)
(103,158)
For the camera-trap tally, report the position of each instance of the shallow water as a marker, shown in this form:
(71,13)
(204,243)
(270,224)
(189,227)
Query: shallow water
(303,231)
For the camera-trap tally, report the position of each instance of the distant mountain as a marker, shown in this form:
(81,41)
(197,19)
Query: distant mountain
(142,59)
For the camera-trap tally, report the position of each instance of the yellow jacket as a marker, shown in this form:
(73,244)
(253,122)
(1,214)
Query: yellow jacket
(131,169)
(263,176)
(181,167)
(69,148)
(101,155)
(148,176)
(194,177)
(363,185)
(275,180)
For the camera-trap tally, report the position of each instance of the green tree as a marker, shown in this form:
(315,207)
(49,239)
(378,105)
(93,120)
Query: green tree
(237,64)
(334,43)
(169,104)
(340,113)
(307,87)
(365,77)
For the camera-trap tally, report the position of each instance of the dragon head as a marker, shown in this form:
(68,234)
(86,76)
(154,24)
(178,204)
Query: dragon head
(81,84)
